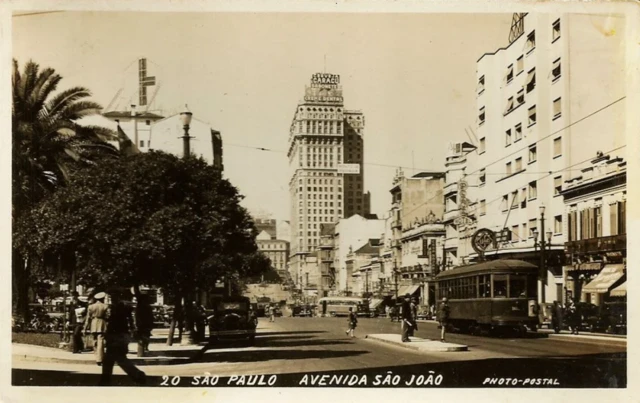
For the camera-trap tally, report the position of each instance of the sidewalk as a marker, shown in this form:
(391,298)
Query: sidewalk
(567,336)
(159,353)
(417,343)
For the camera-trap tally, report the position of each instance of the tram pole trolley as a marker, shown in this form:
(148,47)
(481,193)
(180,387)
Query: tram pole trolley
(491,296)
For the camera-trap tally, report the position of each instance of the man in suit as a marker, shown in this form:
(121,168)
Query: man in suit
(119,329)
(96,324)
(77,312)
(406,318)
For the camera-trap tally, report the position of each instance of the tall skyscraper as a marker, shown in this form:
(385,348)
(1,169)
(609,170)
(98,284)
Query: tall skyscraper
(326,155)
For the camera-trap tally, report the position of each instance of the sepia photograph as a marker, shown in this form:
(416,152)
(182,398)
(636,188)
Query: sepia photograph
(319,198)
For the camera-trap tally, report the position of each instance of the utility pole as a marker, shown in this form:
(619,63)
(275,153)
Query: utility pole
(543,258)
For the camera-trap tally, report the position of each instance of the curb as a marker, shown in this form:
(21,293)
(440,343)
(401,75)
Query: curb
(589,339)
(421,345)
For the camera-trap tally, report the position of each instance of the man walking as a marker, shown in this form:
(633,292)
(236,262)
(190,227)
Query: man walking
(76,319)
(119,327)
(443,318)
(414,316)
(96,324)
(353,322)
(406,320)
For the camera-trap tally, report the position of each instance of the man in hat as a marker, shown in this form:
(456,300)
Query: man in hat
(443,317)
(77,311)
(96,324)
(406,318)
(414,316)
(120,326)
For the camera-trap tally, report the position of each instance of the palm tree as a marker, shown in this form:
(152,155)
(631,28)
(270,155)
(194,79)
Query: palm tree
(48,145)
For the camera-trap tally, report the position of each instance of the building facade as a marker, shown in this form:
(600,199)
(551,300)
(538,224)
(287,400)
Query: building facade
(544,107)
(417,231)
(326,155)
(276,250)
(595,224)
(351,234)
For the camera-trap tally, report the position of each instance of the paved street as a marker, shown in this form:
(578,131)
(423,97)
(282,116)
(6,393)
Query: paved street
(293,347)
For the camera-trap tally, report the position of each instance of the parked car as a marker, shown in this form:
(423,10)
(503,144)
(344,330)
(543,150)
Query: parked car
(611,318)
(303,310)
(232,319)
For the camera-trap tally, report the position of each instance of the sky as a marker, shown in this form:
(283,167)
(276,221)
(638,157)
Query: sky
(412,75)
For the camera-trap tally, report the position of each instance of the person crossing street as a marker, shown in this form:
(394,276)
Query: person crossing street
(117,336)
(353,322)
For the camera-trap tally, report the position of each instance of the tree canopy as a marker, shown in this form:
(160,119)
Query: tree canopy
(149,219)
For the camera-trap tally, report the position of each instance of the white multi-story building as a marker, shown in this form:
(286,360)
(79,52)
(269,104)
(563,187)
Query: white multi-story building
(350,234)
(546,103)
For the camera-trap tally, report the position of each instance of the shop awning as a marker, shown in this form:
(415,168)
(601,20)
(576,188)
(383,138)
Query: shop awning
(374,303)
(605,279)
(620,291)
(408,289)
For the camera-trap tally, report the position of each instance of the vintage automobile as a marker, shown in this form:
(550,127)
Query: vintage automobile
(303,310)
(232,319)
(610,318)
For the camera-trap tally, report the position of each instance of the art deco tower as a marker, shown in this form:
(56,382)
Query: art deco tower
(326,166)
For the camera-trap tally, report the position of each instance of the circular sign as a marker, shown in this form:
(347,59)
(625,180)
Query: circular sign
(482,239)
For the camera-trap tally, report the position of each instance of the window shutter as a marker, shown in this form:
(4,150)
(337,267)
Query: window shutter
(613,218)
(575,225)
(569,225)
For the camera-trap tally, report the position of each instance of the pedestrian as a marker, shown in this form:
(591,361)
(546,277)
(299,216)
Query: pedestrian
(144,322)
(414,316)
(353,322)
(443,318)
(96,324)
(119,327)
(555,317)
(573,317)
(77,312)
(272,313)
(406,319)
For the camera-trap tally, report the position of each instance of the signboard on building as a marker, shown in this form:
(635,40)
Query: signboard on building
(482,240)
(432,255)
(349,169)
(325,79)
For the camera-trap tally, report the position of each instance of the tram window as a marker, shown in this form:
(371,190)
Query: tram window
(485,286)
(517,287)
(532,286)
(499,286)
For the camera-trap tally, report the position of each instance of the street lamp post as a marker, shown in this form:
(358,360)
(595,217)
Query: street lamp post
(187,306)
(543,243)
(185,118)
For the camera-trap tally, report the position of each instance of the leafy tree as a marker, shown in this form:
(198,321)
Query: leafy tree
(149,219)
(48,146)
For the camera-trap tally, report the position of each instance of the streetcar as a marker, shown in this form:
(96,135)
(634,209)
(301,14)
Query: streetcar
(339,306)
(491,296)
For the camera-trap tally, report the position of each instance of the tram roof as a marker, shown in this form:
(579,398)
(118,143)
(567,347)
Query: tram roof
(489,266)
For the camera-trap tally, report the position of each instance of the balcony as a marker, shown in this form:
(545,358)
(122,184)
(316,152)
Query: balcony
(595,245)
(450,188)
(450,215)
(396,224)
